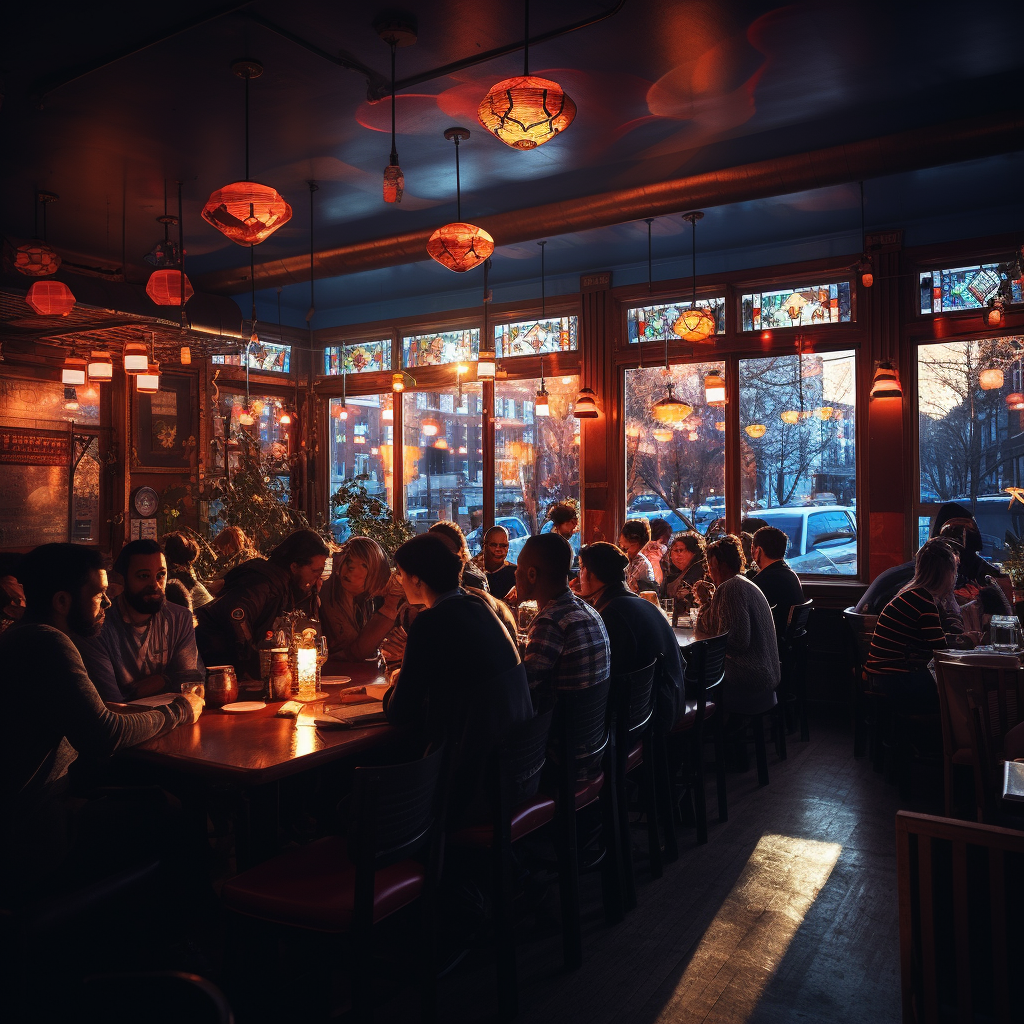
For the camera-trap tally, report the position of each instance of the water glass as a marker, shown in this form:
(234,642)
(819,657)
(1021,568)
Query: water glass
(1005,632)
(668,606)
(198,688)
(694,612)
(527,613)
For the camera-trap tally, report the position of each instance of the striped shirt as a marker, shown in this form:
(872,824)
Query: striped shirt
(907,632)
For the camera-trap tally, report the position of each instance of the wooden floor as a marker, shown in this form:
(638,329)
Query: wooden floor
(789,913)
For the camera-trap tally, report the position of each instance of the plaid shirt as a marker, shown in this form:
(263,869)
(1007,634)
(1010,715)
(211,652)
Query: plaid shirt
(567,647)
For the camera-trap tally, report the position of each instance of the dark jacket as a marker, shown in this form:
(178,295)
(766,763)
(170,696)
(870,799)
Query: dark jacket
(638,633)
(676,580)
(781,586)
(254,595)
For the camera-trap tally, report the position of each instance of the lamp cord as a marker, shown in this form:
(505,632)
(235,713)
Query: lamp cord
(181,251)
(458,184)
(394,148)
(247,127)
(526,39)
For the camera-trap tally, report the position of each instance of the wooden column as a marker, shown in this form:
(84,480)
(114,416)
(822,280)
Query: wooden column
(888,454)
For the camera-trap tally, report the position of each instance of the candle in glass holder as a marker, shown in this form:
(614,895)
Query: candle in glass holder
(307,671)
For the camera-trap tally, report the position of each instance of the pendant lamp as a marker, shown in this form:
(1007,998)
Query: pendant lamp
(991,379)
(696,324)
(714,390)
(864,268)
(756,430)
(136,358)
(50,298)
(526,111)
(246,211)
(661,434)
(73,370)
(36,258)
(886,383)
(459,246)
(430,427)
(164,287)
(100,368)
(585,407)
(541,407)
(148,382)
(394,33)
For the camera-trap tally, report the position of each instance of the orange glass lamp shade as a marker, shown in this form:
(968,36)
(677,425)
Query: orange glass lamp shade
(148,383)
(633,431)
(696,325)
(164,287)
(990,379)
(585,407)
(394,184)
(245,418)
(397,382)
(669,409)
(100,367)
(185,355)
(285,419)
(441,444)
(790,416)
(540,403)
(720,426)
(136,358)
(714,390)
(50,298)
(756,430)
(74,370)
(460,246)
(1015,401)
(339,412)
(430,427)
(526,111)
(886,383)
(34,259)
(662,435)
(246,211)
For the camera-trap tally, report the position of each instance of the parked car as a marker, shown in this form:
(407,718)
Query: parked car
(517,534)
(340,530)
(822,539)
(645,503)
(678,523)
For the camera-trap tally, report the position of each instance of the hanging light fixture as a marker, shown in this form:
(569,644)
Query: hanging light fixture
(1015,401)
(50,298)
(71,399)
(526,111)
(661,434)
(395,33)
(696,324)
(397,383)
(246,211)
(714,390)
(441,444)
(459,246)
(886,383)
(756,430)
(73,371)
(430,427)
(185,354)
(790,416)
(100,368)
(136,358)
(864,268)
(668,409)
(285,419)
(36,258)
(246,418)
(585,407)
(165,287)
(148,382)
(993,315)
(991,379)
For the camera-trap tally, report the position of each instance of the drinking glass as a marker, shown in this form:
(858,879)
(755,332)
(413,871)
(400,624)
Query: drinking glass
(1005,632)
(321,650)
(694,612)
(668,606)
(527,613)
(198,688)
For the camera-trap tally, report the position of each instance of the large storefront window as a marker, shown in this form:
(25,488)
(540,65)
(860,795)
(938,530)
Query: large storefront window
(970,444)
(362,444)
(798,455)
(536,458)
(675,471)
(444,467)
(266,430)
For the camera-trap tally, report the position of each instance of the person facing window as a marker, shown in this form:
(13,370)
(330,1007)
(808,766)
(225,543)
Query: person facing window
(775,579)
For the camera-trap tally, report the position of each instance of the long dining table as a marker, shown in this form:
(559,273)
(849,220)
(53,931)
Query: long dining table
(257,750)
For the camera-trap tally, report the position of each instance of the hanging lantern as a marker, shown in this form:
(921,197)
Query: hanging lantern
(867,276)
(148,382)
(790,416)
(36,259)
(886,383)
(397,382)
(720,426)
(540,403)
(185,355)
(526,111)
(394,184)
(164,287)
(246,211)
(285,419)
(50,298)
(100,367)
(1015,401)
(73,371)
(339,410)
(994,313)
(585,407)
(136,358)
(430,427)
(245,418)
(485,366)
(662,435)
(825,412)
(669,409)
(714,391)
(756,430)
(696,325)
(441,444)
(71,399)
(990,379)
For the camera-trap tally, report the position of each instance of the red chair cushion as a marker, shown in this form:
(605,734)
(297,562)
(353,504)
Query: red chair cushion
(635,757)
(688,719)
(314,887)
(526,818)
(588,790)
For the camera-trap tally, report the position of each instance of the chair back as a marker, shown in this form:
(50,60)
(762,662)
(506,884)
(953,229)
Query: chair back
(583,724)
(633,698)
(521,756)
(958,885)
(799,615)
(705,665)
(862,629)
(995,701)
(954,677)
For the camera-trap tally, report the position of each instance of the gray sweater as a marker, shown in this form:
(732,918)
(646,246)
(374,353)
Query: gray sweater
(752,655)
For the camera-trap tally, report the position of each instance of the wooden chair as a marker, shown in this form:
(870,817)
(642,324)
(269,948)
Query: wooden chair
(633,698)
(517,763)
(995,698)
(960,907)
(793,659)
(342,888)
(705,670)
(866,718)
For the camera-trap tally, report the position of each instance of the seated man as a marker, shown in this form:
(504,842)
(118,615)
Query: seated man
(777,581)
(567,647)
(638,632)
(634,536)
(255,594)
(66,593)
(147,644)
(501,575)
(459,674)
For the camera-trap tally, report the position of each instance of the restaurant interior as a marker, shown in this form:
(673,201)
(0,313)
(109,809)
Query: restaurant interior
(324,267)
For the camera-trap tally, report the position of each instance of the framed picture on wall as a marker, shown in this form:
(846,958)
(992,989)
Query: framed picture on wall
(165,427)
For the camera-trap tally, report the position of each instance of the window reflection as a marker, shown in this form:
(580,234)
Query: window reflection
(266,429)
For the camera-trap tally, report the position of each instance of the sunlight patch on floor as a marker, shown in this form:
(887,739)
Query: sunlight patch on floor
(749,936)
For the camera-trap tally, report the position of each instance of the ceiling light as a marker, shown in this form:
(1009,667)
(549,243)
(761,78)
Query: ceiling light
(73,371)
(136,358)
(394,33)
(50,298)
(669,409)
(148,382)
(459,246)
(430,427)
(36,258)
(100,367)
(886,383)
(696,324)
(540,403)
(164,287)
(714,390)
(585,406)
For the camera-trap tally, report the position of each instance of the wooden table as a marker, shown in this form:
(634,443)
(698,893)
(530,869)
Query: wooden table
(256,750)
(684,635)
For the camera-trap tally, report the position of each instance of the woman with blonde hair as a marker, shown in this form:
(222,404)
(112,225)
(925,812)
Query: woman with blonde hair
(360,601)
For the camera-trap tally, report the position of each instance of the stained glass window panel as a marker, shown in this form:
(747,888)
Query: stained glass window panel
(441,347)
(535,337)
(654,323)
(359,357)
(956,288)
(802,306)
(263,355)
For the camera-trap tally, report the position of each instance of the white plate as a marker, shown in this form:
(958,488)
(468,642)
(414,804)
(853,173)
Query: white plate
(245,705)
(335,680)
